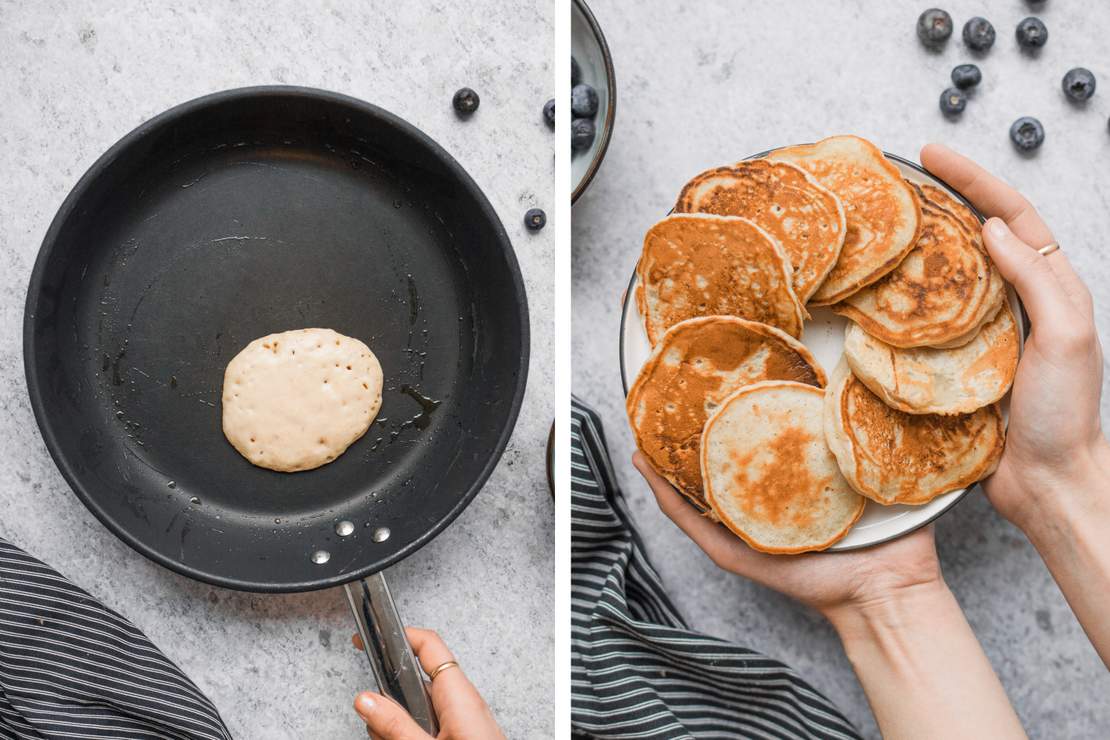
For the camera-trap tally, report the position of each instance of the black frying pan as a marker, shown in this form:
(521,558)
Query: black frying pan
(255,211)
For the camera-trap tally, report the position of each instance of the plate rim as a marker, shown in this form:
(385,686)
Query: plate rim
(1022,319)
(610,107)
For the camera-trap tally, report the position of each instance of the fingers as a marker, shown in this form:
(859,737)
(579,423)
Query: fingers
(1029,272)
(986,192)
(993,197)
(719,544)
(452,693)
(386,720)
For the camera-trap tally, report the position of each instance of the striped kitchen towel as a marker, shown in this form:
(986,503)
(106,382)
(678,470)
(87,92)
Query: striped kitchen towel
(637,670)
(72,668)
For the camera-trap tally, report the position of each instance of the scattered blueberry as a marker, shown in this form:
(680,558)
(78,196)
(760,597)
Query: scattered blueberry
(953,101)
(575,72)
(535,219)
(979,34)
(581,134)
(934,26)
(583,101)
(465,101)
(966,75)
(1031,33)
(549,112)
(1027,133)
(1079,84)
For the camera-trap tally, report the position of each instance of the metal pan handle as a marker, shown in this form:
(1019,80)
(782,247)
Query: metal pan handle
(395,669)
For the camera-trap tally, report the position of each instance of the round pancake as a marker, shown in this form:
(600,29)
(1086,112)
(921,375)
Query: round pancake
(881,211)
(692,369)
(296,400)
(925,380)
(806,218)
(941,295)
(893,457)
(769,476)
(703,265)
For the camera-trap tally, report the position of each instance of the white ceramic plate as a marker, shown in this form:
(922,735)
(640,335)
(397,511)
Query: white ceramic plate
(824,337)
(587,45)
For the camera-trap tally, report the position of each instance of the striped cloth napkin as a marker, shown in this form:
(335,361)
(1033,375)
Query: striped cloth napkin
(637,670)
(72,668)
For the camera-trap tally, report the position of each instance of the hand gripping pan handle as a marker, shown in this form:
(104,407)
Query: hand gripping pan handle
(395,669)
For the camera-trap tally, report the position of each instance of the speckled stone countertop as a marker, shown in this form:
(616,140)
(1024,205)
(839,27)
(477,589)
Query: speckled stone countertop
(75,77)
(706,83)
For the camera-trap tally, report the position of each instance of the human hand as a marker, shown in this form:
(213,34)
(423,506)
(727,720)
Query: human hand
(832,583)
(901,627)
(461,711)
(1054,442)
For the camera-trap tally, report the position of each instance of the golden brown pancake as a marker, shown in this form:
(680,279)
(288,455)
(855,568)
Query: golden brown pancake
(926,380)
(704,265)
(690,371)
(786,202)
(941,295)
(769,476)
(893,457)
(943,199)
(881,211)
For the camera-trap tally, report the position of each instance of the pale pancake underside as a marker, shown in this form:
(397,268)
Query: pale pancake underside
(938,381)
(705,265)
(881,212)
(893,457)
(769,475)
(942,293)
(695,365)
(783,199)
(296,400)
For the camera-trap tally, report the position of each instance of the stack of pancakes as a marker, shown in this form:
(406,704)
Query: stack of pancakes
(732,408)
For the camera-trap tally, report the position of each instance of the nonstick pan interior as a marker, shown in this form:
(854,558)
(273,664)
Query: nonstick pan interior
(256,211)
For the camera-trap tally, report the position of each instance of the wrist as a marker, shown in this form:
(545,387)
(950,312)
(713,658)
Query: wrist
(1061,505)
(879,618)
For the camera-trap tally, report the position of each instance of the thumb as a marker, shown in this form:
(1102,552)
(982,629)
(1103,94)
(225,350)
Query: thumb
(1029,272)
(386,720)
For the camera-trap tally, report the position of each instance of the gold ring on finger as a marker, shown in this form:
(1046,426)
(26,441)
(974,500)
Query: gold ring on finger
(440,669)
(1048,249)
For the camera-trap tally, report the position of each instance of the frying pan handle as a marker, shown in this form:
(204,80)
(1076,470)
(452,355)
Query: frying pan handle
(395,669)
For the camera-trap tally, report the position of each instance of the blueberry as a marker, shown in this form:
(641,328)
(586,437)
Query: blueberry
(1027,133)
(934,26)
(549,112)
(1079,84)
(575,72)
(583,101)
(966,75)
(1031,33)
(581,134)
(535,219)
(465,101)
(979,34)
(953,101)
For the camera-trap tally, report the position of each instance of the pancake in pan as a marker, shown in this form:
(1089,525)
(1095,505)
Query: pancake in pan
(784,200)
(897,458)
(704,265)
(881,212)
(940,296)
(695,365)
(770,477)
(925,380)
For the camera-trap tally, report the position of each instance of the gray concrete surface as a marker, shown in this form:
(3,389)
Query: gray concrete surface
(76,76)
(705,83)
